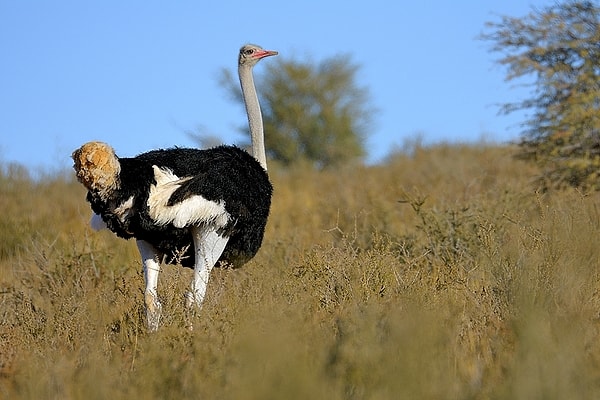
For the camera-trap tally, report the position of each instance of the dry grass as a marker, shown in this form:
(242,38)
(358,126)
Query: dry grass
(437,275)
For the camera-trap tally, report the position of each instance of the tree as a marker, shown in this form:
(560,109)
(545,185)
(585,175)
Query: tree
(312,112)
(560,46)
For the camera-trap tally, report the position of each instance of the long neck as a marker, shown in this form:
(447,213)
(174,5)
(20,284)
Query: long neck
(254,115)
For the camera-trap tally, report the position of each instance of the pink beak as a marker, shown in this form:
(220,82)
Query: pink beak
(265,53)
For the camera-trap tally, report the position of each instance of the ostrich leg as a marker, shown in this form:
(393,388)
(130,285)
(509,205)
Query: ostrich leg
(208,246)
(151,267)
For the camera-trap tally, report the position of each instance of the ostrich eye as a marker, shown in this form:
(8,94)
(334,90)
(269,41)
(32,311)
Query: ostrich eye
(248,51)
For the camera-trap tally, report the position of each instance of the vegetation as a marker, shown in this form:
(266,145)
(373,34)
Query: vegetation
(558,46)
(315,113)
(440,274)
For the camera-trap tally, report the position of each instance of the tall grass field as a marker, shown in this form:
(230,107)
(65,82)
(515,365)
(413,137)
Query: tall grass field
(440,274)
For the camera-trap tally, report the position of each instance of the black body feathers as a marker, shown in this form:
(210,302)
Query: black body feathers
(224,173)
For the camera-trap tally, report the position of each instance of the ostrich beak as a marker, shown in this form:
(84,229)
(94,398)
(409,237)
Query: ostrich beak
(265,53)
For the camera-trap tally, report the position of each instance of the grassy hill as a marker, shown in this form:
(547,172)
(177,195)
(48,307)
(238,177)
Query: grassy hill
(440,274)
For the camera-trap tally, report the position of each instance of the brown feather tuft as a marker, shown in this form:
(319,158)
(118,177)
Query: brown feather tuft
(97,167)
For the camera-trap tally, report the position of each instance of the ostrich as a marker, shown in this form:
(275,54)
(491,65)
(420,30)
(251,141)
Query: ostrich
(184,206)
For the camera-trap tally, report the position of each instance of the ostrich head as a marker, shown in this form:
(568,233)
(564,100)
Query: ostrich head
(250,54)
(97,168)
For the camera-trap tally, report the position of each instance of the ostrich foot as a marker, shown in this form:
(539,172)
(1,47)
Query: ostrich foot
(153,310)
(192,307)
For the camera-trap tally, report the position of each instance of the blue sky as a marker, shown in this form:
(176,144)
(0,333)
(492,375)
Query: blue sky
(139,74)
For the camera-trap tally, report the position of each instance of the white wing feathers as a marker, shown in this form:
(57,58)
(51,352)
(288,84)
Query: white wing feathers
(192,211)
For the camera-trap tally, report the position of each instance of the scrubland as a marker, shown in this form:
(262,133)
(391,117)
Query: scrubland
(440,274)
